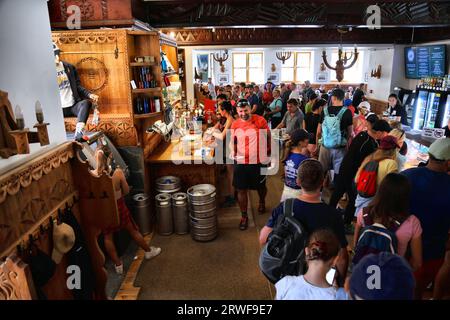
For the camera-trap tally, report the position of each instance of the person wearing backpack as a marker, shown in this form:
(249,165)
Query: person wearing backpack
(390,209)
(320,253)
(373,170)
(336,127)
(273,112)
(309,210)
(363,144)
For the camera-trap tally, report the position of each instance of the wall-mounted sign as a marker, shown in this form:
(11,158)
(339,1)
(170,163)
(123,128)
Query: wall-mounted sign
(436,133)
(322,76)
(223,78)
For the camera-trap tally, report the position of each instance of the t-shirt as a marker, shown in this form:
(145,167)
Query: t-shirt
(291,165)
(314,216)
(65,91)
(277,103)
(295,95)
(430,202)
(297,288)
(312,120)
(293,122)
(346,120)
(408,230)
(253,99)
(308,107)
(247,135)
(399,111)
(361,146)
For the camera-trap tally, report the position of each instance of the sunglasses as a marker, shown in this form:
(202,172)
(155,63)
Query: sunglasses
(244,103)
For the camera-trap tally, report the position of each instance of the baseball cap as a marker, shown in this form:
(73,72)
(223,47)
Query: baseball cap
(364,105)
(63,240)
(299,135)
(440,149)
(388,143)
(395,282)
(381,125)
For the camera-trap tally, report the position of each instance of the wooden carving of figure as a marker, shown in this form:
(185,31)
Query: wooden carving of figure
(7,124)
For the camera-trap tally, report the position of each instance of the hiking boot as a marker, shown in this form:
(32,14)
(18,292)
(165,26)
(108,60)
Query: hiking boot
(243,225)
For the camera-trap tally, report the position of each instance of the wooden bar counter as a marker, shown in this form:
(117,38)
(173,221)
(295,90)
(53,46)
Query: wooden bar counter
(168,159)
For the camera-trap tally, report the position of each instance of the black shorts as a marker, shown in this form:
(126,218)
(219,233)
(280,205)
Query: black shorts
(248,176)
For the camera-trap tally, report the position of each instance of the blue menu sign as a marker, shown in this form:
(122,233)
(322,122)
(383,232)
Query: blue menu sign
(426,61)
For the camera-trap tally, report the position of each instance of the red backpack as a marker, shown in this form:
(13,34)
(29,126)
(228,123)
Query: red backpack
(367,181)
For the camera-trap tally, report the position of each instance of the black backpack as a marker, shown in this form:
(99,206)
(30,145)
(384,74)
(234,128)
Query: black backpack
(284,253)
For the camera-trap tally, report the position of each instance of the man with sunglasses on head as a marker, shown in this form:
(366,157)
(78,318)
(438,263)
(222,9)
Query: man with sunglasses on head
(250,148)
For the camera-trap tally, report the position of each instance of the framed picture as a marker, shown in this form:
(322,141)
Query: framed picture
(223,78)
(203,66)
(322,76)
(273,77)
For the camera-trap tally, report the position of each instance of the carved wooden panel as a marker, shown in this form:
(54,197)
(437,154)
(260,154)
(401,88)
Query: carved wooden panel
(16,282)
(273,35)
(94,11)
(26,195)
(119,128)
(101,57)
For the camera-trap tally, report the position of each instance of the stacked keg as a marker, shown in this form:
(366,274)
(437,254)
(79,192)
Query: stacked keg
(202,208)
(165,186)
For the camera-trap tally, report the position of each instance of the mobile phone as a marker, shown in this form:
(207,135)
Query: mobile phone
(331,275)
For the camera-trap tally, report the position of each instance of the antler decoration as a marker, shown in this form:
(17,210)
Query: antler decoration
(341,63)
(376,73)
(221,58)
(283,55)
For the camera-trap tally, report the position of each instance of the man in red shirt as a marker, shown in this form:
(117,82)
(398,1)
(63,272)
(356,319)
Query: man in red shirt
(250,149)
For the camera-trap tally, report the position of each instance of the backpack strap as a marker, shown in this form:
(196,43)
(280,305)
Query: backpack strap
(288,207)
(341,112)
(325,112)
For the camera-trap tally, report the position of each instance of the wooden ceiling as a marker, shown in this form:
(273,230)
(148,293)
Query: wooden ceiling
(176,14)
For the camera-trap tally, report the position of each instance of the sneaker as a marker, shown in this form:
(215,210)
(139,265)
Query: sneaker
(154,251)
(119,268)
(243,225)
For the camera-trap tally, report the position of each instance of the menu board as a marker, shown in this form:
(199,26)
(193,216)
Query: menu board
(425,61)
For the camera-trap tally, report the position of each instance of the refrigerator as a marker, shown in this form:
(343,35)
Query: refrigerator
(431,109)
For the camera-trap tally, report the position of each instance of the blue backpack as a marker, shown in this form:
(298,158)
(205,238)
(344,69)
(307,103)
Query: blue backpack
(331,129)
(375,238)
(284,252)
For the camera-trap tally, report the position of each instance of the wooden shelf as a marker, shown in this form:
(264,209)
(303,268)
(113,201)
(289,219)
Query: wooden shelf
(147,115)
(142,64)
(156,90)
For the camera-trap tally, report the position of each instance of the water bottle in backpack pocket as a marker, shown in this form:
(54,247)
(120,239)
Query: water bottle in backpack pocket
(284,252)
(375,238)
(331,129)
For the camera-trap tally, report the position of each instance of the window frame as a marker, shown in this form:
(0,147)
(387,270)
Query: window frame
(296,67)
(247,64)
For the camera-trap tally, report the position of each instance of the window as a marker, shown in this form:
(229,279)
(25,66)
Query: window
(297,67)
(248,67)
(355,73)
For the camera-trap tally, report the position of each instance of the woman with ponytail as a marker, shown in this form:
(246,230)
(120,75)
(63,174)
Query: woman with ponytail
(321,253)
(296,152)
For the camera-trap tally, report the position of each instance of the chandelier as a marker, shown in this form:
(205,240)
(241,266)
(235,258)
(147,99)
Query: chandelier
(341,63)
(283,55)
